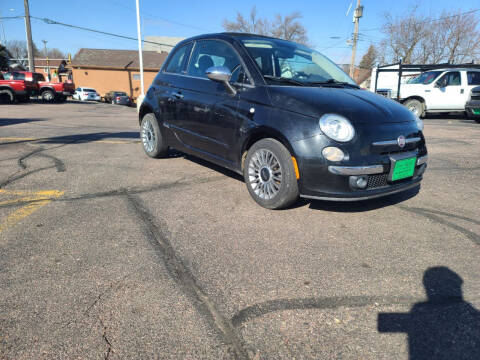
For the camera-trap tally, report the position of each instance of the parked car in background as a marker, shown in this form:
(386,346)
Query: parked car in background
(48,90)
(473,105)
(283,115)
(117,97)
(86,94)
(14,89)
(442,90)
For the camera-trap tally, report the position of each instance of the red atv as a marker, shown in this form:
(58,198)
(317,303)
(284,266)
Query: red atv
(15,89)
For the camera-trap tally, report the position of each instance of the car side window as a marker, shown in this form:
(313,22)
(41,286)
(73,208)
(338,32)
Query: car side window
(450,79)
(179,59)
(208,53)
(473,77)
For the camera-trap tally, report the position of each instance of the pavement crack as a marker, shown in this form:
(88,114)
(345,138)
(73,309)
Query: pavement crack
(105,338)
(179,272)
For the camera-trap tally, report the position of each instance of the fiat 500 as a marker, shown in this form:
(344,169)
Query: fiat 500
(285,117)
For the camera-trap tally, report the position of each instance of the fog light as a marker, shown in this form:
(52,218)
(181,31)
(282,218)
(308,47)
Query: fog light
(333,153)
(358,182)
(421,169)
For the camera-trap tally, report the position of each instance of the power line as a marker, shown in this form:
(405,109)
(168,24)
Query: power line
(432,20)
(53,22)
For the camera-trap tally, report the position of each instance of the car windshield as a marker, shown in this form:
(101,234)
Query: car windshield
(294,63)
(88,90)
(425,78)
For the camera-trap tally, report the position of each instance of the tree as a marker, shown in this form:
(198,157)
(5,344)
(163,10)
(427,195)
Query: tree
(284,27)
(368,60)
(4,58)
(451,37)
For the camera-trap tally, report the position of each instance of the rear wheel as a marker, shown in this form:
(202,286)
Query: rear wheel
(270,175)
(416,107)
(48,96)
(152,139)
(6,96)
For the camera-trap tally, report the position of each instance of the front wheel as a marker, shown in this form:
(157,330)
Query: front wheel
(48,96)
(416,107)
(270,175)
(152,140)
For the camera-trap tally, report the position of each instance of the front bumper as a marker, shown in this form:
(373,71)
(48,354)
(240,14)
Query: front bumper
(325,180)
(473,107)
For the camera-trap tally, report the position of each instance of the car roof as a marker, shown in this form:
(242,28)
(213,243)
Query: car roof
(226,35)
(456,69)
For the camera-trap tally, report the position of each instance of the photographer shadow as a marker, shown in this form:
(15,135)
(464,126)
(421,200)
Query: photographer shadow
(444,327)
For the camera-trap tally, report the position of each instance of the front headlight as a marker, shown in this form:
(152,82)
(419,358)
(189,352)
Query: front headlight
(419,123)
(337,127)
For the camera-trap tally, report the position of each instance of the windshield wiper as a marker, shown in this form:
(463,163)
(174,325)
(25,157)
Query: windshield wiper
(284,79)
(333,82)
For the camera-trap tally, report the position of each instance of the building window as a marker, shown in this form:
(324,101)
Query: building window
(45,70)
(136,76)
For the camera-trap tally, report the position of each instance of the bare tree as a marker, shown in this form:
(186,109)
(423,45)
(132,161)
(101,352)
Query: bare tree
(252,25)
(284,27)
(368,60)
(452,37)
(4,58)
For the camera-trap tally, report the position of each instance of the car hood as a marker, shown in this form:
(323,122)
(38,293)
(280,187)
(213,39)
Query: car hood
(359,106)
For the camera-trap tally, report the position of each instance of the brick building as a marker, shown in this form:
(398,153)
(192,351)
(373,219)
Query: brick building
(106,70)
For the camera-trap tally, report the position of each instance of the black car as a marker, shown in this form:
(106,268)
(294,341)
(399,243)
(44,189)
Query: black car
(117,98)
(283,115)
(472,107)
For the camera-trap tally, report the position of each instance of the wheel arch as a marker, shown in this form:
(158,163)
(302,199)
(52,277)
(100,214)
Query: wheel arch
(144,110)
(414,97)
(45,88)
(257,134)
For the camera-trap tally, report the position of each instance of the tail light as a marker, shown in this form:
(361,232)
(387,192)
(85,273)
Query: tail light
(118,98)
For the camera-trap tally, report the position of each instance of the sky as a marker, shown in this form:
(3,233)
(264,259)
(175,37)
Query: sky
(327,25)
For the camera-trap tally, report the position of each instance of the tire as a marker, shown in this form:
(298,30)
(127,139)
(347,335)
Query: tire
(265,159)
(152,140)
(48,96)
(416,107)
(7,96)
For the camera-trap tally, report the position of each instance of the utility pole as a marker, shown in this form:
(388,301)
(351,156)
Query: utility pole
(140,56)
(46,58)
(31,60)
(357,14)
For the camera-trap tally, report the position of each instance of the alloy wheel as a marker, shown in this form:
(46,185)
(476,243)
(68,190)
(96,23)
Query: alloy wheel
(265,174)
(148,136)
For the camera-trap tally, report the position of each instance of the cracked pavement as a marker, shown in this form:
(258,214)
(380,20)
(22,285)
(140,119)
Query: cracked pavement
(171,259)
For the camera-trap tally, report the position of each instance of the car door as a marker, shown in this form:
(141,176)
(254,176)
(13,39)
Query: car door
(165,89)
(473,80)
(448,92)
(211,123)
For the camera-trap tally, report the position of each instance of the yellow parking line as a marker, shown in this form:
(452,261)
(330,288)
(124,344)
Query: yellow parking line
(38,198)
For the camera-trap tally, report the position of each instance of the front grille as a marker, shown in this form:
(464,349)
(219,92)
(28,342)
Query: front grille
(475,96)
(377,180)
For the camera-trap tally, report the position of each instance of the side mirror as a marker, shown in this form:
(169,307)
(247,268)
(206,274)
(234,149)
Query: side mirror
(222,75)
(441,83)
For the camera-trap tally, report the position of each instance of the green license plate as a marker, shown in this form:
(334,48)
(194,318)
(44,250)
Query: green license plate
(404,168)
(476,111)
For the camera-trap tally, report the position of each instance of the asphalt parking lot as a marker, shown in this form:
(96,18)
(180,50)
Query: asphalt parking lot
(106,253)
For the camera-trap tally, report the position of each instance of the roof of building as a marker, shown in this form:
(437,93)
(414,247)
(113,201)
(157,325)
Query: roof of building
(51,62)
(126,59)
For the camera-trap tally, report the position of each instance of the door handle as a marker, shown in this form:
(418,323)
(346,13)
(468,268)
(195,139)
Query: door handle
(462,91)
(178,95)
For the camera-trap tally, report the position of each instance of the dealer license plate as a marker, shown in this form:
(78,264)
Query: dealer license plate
(404,168)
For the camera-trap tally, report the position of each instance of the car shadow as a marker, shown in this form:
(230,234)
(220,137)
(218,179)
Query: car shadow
(16,121)
(443,327)
(364,205)
(82,138)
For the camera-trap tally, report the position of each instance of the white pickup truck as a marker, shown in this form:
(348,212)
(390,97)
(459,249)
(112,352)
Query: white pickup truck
(442,90)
